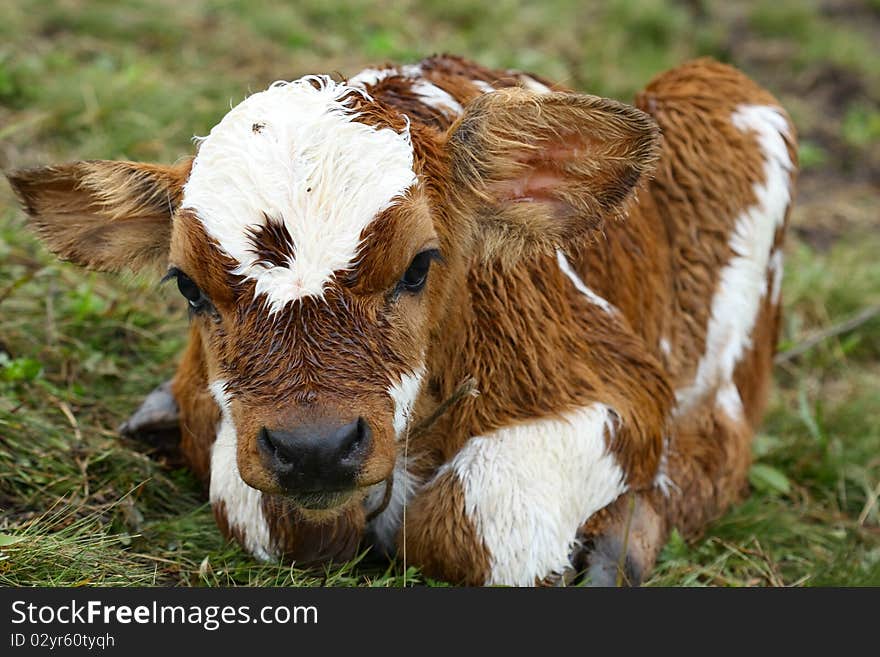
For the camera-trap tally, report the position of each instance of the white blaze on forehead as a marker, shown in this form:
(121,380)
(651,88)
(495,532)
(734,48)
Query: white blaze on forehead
(528,488)
(242,504)
(744,281)
(296,154)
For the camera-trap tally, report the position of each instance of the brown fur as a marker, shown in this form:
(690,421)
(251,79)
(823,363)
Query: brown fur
(704,179)
(272,243)
(199,414)
(545,171)
(107,216)
(642,201)
(305,540)
(441,538)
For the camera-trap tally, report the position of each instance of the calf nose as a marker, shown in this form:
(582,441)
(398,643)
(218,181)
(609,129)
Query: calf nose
(318,457)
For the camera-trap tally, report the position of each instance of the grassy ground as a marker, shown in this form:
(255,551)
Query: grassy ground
(136,79)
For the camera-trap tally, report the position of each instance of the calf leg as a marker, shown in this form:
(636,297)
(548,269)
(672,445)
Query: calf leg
(507,507)
(705,471)
(621,542)
(708,464)
(156,420)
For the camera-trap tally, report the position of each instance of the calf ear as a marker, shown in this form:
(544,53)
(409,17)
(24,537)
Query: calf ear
(541,171)
(107,216)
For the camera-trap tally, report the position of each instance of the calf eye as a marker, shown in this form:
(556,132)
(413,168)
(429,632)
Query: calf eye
(417,273)
(190,291)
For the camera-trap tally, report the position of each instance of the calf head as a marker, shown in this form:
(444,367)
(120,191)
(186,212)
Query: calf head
(320,238)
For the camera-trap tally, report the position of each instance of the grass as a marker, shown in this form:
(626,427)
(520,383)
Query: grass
(136,79)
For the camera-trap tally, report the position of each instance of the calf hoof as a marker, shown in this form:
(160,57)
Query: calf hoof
(620,545)
(610,563)
(156,422)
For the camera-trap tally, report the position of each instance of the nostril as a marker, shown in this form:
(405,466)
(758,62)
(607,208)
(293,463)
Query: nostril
(273,445)
(265,441)
(363,430)
(355,439)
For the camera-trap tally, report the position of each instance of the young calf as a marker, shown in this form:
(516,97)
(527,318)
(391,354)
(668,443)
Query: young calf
(352,252)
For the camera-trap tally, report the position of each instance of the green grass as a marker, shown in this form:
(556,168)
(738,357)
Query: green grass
(137,79)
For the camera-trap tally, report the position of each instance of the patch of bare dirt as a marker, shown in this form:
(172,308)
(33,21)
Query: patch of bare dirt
(842,194)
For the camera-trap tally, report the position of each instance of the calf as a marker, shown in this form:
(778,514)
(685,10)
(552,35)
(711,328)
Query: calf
(352,252)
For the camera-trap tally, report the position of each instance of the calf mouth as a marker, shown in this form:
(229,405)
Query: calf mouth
(321,501)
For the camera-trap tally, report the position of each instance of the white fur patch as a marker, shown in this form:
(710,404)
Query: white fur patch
(295,154)
(729,401)
(404,395)
(433,96)
(373,76)
(743,282)
(594,298)
(776,267)
(428,92)
(662,480)
(485,87)
(384,527)
(243,504)
(530,83)
(529,487)
(665,347)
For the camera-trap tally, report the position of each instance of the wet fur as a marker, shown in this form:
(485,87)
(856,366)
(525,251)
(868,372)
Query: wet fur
(648,232)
